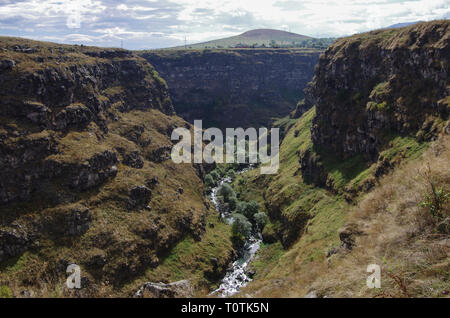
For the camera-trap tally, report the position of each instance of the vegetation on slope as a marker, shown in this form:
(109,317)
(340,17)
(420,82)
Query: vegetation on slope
(294,208)
(335,205)
(307,218)
(401,233)
(86,178)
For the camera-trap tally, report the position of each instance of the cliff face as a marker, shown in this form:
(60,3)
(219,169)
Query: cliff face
(370,86)
(85,175)
(50,91)
(232,88)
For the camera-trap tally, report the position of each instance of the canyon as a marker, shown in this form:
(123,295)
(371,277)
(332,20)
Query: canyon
(86,176)
(234,87)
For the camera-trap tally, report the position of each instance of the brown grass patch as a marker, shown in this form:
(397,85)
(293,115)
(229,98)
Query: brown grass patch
(399,235)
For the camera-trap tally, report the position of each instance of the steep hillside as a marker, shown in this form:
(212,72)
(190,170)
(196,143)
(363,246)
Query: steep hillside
(364,174)
(85,177)
(231,88)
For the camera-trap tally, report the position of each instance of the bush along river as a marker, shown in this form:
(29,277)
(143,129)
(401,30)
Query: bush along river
(247,222)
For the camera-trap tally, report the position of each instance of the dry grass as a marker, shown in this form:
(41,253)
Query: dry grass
(399,235)
(115,230)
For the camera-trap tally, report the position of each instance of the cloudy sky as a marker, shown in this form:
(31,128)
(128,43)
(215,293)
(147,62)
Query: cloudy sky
(162,23)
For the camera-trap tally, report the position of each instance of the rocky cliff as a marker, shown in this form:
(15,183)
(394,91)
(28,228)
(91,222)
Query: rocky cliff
(50,91)
(372,90)
(84,171)
(370,86)
(238,87)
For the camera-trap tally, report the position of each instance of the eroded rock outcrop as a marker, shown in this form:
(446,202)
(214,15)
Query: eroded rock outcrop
(55,97)
(13,242)
(180,289)
(369,86)
(370,89)
(140,196)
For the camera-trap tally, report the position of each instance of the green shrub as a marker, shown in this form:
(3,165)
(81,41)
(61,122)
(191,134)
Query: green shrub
(380,90)
(435,202)
(232,174)
(241,226)
(220,169)
(248,209)
(383,106)
(209,181)
(215,175)
(226,191)
(260,219)
(241,207)
(233,203)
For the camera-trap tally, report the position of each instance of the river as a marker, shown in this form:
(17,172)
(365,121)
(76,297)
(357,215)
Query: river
(237,276)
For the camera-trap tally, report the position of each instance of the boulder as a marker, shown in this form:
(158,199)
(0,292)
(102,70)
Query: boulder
(152,182)
(311,294)
(96,171)
(139,197)
(13,243)
(77,221)
(159,154)
(74,220)
(6,65)
(312,168)
(347,235)
(133,159)
(97,260)
(37,112)
(73,116)
(180,289)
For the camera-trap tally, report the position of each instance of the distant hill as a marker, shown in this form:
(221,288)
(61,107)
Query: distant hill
(264,38)
(401,25)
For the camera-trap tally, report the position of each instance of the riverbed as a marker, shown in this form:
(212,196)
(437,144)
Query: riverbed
(237,275)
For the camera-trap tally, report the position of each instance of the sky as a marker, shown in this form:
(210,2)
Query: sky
(146,24)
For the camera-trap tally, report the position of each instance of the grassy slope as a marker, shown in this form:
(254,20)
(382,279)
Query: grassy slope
(115,231)
(399,235)
(110,216)
(190,259)
(328,214)
(291,272)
